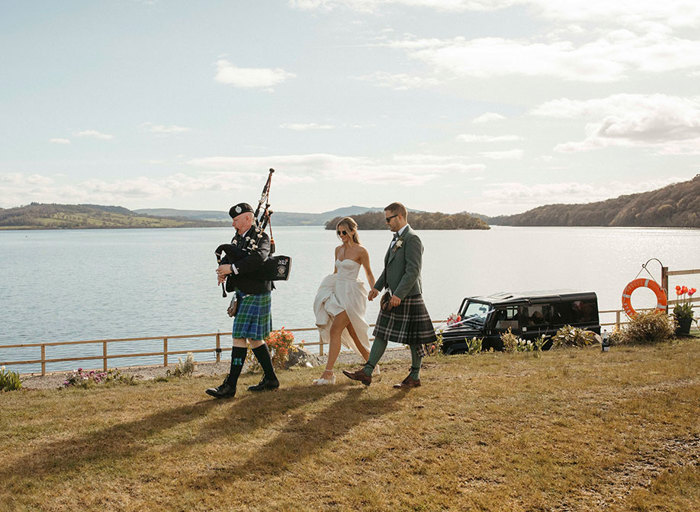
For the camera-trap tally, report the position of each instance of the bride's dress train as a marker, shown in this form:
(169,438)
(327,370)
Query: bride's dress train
(339,292)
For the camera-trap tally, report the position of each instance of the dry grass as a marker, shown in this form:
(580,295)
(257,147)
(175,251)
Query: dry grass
(572,430)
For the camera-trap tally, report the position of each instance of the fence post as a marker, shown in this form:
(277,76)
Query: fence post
(165,351)
(43,359)
(320,346)
(617,319)
(218,347)
(104,356)
(664,283)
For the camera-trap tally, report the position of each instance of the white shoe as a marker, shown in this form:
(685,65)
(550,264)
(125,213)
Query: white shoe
(376,374)
(323,382)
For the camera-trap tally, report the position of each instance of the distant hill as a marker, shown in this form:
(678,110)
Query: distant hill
(87,216)
(676,205)
(418,220)
(278,218)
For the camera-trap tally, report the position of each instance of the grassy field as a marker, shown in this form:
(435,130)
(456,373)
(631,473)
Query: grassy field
(572,430)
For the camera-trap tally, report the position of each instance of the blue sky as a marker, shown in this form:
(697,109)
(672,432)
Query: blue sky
(446,105)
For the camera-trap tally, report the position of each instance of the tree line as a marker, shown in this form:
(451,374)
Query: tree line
(423,220)
(676,205)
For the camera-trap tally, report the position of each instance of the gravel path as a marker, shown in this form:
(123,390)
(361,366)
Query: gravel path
(55,380)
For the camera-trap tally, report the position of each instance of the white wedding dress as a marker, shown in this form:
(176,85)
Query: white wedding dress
(338,292)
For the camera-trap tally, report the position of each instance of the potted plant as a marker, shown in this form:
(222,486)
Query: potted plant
(683,311)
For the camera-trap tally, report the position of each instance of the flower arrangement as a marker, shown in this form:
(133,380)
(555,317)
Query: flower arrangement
(280,343)
(453,319)
(683,311)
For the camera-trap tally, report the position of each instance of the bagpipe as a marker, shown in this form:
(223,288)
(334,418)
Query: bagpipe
(274,268)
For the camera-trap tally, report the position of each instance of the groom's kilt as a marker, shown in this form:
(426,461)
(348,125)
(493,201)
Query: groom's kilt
(408,323)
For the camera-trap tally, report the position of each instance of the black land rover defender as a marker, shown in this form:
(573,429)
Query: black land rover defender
(528,315)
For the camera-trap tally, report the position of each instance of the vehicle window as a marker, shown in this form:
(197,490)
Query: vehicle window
(476,309)
(539,314)
(583,311)
(507,318)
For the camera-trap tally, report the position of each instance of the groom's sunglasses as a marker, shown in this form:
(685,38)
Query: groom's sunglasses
(388,219)
(342,232)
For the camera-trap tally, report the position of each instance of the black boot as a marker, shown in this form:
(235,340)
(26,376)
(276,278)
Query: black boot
(228,388)
(265,385)
(269,381)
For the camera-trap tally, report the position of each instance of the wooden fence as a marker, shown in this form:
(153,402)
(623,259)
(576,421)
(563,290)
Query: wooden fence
(165,353)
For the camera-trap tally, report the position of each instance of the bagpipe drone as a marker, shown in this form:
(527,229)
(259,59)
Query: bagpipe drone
(274,268)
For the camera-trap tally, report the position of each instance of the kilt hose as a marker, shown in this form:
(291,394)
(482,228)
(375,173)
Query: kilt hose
(408,323)
(254,317)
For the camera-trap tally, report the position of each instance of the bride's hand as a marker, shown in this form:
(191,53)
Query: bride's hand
(372,294)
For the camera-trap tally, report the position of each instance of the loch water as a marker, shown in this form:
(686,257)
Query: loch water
(69,285)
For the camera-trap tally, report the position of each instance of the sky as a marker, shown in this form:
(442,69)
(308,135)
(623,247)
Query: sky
(487,106)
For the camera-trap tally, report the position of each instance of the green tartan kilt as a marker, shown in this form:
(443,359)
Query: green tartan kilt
(408,323)
(254,317)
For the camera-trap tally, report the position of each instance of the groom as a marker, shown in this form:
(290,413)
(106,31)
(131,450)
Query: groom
(403,318)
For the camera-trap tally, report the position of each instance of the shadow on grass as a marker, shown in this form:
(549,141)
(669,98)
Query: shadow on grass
(244,415)
(304,433)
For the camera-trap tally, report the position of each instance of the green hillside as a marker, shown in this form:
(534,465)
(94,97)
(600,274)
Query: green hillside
(87,216)
(676,205)
(422,220)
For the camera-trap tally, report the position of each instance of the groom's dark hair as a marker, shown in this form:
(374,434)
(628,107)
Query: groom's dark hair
(397,208)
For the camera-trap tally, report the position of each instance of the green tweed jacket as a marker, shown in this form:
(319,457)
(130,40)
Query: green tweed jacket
(402,266)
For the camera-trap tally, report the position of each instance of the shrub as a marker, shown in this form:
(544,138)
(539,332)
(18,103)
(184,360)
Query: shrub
(9,380)
(183,368)
(474,345)
(510,341)
(280,343)
(435,349)
(648,327)
(88,379)
(569,336)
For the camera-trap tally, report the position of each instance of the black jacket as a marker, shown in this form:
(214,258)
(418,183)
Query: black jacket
(255,246)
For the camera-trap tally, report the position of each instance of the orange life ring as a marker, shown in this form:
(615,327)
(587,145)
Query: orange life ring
(661,300)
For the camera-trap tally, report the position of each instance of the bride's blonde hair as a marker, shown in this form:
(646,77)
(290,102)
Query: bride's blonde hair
(350,223)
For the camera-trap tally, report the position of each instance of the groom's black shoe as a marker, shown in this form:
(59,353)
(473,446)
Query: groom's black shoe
(359,375)
(223,391)
(265,385)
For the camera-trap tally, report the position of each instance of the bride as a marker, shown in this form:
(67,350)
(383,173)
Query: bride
(341,300)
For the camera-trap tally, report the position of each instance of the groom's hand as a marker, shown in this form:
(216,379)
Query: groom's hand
(395,301)
(372,294)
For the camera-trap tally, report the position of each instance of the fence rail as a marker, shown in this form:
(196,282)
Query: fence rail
(106,356)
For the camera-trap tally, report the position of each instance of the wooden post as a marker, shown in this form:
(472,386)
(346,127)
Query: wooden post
(165,351)
(320,346)
(617,319)
(104,356)
(664,284)
(218,347)
(43,359)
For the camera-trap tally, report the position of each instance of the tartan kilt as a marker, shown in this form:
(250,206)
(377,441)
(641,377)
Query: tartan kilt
(254,317)
(408,323)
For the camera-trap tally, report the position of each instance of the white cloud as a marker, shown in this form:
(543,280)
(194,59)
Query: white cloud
(408,170)
(488,117)
(59,140)
(665,124)
(512,154)
(398,81)
(94,134)
(165,130)
(469,137)
(227,73)
(625,12)
(301,127)
(611,56)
